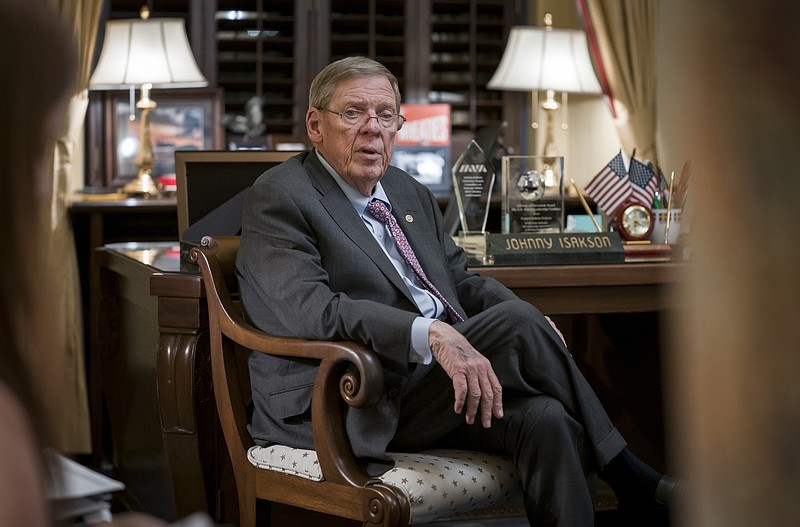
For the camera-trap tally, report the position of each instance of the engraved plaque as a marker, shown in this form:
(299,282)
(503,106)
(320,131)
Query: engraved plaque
(533,194)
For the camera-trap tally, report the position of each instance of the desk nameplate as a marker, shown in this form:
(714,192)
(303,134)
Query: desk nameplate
(555,248)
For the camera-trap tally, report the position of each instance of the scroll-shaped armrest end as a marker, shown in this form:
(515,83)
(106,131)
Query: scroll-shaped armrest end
(361,383)
(353,373)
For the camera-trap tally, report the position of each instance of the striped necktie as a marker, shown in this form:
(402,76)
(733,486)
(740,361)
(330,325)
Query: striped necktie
(381,212)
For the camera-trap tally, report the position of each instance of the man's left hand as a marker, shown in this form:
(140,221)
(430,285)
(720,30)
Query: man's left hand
(474,381)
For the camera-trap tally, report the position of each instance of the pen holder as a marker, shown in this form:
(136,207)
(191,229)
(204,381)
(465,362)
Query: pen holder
(660,230)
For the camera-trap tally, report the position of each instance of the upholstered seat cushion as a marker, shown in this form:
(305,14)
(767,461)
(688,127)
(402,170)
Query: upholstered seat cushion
(439,483)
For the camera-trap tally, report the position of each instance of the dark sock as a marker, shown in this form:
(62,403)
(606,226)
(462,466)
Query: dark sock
(632,480)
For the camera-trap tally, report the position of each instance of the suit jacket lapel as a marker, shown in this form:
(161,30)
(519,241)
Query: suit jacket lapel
(341,211)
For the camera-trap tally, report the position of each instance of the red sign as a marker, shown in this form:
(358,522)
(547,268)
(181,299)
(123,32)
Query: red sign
(426,125)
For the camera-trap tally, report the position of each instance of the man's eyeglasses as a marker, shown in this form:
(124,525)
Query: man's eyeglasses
(353,117)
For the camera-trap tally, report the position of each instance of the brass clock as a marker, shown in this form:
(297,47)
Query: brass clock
(634,222)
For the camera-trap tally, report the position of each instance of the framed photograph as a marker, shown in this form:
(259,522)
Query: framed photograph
(422,146)
(183,120)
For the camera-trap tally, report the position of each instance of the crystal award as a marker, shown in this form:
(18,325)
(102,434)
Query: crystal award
(532,194)
(473,180)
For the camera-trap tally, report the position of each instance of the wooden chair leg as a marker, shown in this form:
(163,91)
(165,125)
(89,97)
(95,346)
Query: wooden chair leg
(247,506)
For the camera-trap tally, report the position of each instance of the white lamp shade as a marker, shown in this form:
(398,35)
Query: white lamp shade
(138,51)
(536,58)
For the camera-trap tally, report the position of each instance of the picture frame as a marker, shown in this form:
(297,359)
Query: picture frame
(185,119)
(423,146)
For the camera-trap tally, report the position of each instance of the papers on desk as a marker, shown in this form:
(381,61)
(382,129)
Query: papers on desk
(82,495)
(79,492)
(582,223)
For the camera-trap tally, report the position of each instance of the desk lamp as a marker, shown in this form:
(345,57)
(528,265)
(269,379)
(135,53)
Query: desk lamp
(149,53)
(550,60)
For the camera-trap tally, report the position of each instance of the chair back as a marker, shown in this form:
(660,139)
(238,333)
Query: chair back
(216,258)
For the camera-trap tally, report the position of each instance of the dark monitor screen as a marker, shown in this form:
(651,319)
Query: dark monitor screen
(211,187)
(491,140)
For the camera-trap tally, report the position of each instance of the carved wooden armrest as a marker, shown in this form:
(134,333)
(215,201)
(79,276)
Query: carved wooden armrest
(348,371)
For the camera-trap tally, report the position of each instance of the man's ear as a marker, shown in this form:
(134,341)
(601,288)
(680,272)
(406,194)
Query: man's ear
(313,116)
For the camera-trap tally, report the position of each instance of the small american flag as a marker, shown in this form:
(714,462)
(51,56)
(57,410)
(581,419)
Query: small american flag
(611,187)
(644,183)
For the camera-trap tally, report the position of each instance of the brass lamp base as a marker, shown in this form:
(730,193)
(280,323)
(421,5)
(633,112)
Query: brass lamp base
(144,186)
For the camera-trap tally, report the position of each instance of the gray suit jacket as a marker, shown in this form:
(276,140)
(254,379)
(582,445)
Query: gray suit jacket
(309,268)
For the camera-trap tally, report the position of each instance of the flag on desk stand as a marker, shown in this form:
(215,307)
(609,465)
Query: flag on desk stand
(661,181)
(644,183)
(610,187)
(661,194)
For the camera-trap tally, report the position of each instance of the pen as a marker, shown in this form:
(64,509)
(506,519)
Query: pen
(669,206)
(585,205)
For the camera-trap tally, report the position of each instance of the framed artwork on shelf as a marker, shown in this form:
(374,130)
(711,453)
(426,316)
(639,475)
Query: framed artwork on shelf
(422,146)
(182,120)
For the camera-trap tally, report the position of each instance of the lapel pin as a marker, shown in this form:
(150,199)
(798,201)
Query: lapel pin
(409,218)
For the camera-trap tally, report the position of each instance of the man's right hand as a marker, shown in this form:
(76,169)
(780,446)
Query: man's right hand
(474,381)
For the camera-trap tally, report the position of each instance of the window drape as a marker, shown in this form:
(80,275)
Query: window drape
(70,413)
(622,38)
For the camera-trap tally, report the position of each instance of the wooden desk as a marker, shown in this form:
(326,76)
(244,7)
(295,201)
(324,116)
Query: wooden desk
(94,224)
(127,219)
(183,417)
(591,289)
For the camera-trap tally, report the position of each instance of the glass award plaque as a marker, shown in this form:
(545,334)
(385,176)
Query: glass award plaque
(473,180)
(533,194)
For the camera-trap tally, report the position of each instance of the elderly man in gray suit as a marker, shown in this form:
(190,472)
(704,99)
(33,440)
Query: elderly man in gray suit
(337,244)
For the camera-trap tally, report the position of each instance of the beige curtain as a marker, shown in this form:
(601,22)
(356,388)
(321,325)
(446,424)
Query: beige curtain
(625,36)
(69,413)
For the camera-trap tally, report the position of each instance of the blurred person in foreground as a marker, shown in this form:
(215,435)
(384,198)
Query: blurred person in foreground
(39,70)
(324,254)
(39,65)
(734,390)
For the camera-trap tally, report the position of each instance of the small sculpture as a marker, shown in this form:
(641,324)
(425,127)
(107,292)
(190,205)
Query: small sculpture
(251,124)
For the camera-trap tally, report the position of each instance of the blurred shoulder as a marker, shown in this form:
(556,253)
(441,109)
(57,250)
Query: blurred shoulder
(21,473)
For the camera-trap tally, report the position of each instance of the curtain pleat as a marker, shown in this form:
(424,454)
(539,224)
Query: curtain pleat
(624,35)
(69,412)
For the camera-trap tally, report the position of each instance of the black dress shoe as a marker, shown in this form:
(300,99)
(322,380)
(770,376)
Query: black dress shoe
(667,489)
(652,512)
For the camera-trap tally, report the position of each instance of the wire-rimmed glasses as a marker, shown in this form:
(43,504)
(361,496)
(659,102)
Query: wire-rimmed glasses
(352,117)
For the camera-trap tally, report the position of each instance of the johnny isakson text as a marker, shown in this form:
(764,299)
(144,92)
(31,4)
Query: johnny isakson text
(546,243)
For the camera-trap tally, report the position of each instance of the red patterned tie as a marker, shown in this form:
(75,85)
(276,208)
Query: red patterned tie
(381,212)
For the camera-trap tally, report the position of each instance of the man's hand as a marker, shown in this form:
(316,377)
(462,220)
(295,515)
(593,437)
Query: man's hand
(474,381)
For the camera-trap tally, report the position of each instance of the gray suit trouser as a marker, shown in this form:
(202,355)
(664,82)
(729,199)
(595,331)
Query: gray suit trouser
(554,427)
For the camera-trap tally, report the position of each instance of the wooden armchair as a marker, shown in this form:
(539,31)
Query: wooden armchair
(422,487)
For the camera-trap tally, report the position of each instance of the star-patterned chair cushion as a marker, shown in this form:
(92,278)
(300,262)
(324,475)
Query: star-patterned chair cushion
(439,483)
